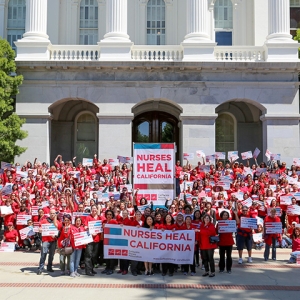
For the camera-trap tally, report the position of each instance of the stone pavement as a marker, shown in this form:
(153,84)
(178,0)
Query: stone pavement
(259,280)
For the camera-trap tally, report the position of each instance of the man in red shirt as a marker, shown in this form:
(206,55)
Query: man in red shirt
(48,243)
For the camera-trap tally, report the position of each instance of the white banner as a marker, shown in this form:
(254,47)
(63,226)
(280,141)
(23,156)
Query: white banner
(154,171)
(7,247)
(141,244)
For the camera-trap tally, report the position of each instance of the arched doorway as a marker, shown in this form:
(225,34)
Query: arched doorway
(156,121)
(74,129)
(238,127)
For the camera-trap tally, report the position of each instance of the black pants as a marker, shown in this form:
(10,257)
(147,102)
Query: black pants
(193,267)
(196,254)
(91,255)
(100,258)
(110,264)
(228,251)
(124,264)
(166,267)
(136,266)
(208,260)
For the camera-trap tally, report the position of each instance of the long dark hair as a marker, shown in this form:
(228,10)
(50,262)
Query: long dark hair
(145,222)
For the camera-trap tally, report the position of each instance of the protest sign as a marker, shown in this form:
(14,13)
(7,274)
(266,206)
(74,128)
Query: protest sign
(49,230)
(155,246)
(225,226)
(82,238)
(188,156)
(95,227)
(87,162)
(273,227)
(7,247)
(22,219)
(250,223)
(246,155)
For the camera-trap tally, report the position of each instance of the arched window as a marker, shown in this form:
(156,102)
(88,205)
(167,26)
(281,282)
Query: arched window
(225,133)
(88,31)
(86,136)
(156,22)
(16,21)
(143,132)
(223,12)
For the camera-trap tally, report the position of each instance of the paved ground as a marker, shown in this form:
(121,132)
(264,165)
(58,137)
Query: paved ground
(259,280)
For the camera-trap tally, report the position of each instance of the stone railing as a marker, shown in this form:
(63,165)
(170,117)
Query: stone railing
(156,53)
(74,52)
(239,53)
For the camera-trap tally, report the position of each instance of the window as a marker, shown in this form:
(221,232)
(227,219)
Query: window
(16,21)
(143,132)
(156,23)
(88,31)
(225,133)
(294,16)
(86,145)
(223,12)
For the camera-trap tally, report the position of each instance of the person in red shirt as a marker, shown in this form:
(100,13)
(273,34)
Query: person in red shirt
(149,223)
(207,229)
(178,170)
(11,235)
(75,256)
(48,243)
(244,235)
(110,263)
(92,249)
(295,245)
(225,246)
(271,239)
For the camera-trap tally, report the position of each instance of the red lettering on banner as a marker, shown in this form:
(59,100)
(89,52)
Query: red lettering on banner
(150,168)
(152,157)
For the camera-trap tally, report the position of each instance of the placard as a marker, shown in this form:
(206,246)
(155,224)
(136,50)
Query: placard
(285,200)
(5,165)
(273,227)
(275,156)
(268,153)
(24,232)
(95,227)
(125,159)
(256,153)
(49,230)
(296,162)
(87,162)
(250,223)
(82,238)
(257,237)
(278,211)
(226,226)
(247,202)
(200,153)
(233,155)
(113,162)
(22,219)
(35,210)
(293,210)
(188,156)
(210,158)
(7,247)
(246,155)
(220,155)
(6,210)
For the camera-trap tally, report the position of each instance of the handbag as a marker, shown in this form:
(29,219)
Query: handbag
(66,251)
(214,239)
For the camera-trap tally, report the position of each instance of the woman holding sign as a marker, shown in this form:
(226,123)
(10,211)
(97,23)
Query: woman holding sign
(11,235)
(75,256)
(225,246)
(207,229)
(272,233)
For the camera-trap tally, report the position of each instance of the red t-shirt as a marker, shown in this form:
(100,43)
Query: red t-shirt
(10,236)
(90,218)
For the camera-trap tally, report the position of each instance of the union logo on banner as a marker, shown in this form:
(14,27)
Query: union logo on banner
(111,251)
(124,252)
(118,252)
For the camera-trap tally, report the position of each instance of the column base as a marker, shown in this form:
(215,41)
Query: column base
(115,51)
(32,49)
(281,50)
(198,51)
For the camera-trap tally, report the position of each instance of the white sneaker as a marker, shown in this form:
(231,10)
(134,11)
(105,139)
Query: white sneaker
(249,259)
(73,275)
(240,261)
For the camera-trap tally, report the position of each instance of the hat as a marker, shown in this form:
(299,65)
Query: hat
(180,213)
(10,224)
(293,223)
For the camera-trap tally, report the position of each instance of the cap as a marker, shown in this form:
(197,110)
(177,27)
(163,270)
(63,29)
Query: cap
(180,213)
(10,224)
(293,223)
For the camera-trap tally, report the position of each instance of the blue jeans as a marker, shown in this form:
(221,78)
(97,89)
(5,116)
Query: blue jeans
(47,247)
(75,260)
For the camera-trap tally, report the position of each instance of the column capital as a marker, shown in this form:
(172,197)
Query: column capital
(2,2)
(75,2)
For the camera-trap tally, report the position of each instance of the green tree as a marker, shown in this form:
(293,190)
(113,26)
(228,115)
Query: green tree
(297,38)
(10,123)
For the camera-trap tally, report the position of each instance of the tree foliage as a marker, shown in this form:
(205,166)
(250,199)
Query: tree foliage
(10,123)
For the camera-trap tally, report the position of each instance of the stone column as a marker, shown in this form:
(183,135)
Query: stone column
(279,43)
(35,42)
(197,44)
(2,18)
(116,44)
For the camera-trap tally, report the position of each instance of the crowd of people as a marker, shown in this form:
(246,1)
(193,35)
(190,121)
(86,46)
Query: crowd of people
(70,195)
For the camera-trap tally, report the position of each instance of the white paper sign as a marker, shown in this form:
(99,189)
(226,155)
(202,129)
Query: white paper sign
(246,155)
(247,202)
(233,155)
(296,162)
(82,238)
(95,227)
(273,227)
(268,153)
(250,223)
(188,156)
(200,153)
(49,230)
(285,200)
(7,247)
(225,226)
(22,219)
(6,210)
(220,155)
(257,237)
(256,153)
(87,162)
(275,156)
(293,210)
